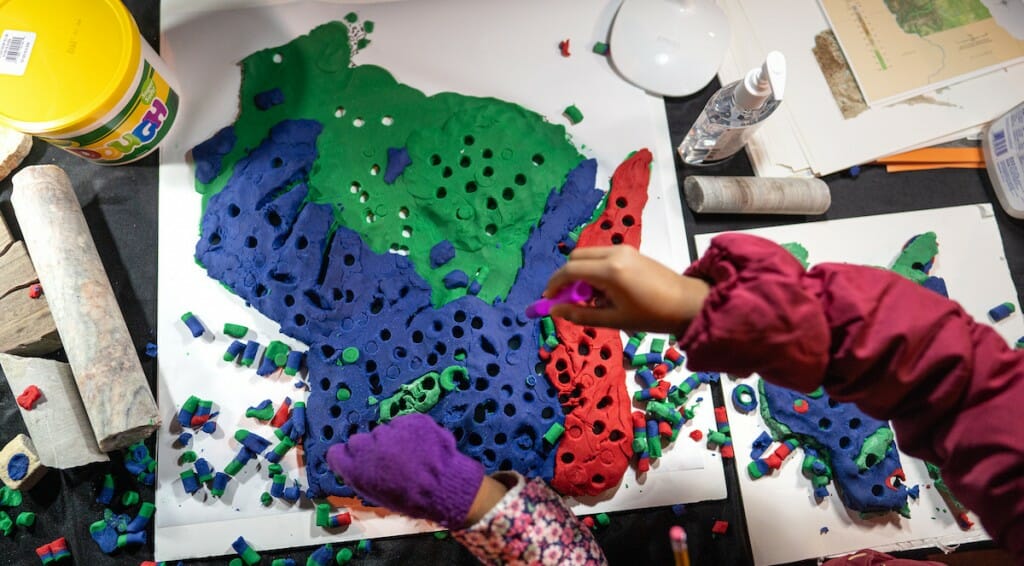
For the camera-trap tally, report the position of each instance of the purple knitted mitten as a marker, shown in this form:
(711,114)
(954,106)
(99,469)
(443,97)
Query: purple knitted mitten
(410,465)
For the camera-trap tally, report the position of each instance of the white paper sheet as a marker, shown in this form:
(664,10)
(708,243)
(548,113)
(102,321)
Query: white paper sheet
(972,262)
(808,134)
(507,50)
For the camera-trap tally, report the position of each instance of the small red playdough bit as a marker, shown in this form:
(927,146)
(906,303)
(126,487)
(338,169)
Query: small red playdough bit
(720,527)
(27,399)
(35,291)
(697,435)
(563,46)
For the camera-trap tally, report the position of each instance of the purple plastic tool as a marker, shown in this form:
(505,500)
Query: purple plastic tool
(575,292)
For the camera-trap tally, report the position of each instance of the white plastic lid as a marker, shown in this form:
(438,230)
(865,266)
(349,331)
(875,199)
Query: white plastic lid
(762,82)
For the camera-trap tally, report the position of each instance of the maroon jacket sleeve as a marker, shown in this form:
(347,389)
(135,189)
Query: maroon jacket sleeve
(952,388)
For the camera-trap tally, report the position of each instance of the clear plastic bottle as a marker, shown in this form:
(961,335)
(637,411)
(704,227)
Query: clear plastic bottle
(734,112)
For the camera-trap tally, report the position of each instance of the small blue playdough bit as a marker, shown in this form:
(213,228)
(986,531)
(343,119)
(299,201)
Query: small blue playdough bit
(17,467)
(398,160)
(441,253)
(456,279)
(268,99)
(744,398)
(999,312)
(234,350)
(193,324)
(151,350)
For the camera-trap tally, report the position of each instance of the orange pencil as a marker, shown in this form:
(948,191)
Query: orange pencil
(677,536)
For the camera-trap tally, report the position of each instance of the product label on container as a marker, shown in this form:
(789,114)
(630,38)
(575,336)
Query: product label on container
(135,130)
(15,49)
(1005,151)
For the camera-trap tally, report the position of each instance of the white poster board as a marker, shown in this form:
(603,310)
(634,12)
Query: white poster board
(508,50)
(972,262)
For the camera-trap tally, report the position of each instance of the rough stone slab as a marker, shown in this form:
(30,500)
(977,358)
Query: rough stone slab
(59,425)
(26,326)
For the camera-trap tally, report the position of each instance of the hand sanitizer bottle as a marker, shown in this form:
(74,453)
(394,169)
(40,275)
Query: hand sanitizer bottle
(734,112)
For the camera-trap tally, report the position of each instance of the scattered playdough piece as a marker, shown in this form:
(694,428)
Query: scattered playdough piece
(20,468)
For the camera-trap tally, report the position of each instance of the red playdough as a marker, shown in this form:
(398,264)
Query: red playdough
(586,367)
(720,527)
(27,399)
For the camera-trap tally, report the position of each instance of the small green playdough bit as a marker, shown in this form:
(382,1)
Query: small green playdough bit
(130,498)
(554,433)
(916,254)
(573,114)
(602,519)
(600,48)
(368,26)
(440,535)
(350,355)
(496,162)
(264,414)
(275,350)
(874,448)
(817,393)
(9,497)
(275,469)
(351,17)
(187,457)
(344,556)
(235,330)
(344,394)
(26,519)
(451,376)
(418,396)
(236,562)
(266,499)
(798,251)
(6,524)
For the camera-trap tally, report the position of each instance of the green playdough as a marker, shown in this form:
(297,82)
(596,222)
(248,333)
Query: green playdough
(875,447)
(916,254)
(420,395)
(483,160)
(798,251)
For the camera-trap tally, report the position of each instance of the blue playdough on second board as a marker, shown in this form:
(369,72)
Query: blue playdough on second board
(264,239)
(17,467)
(398,160)
(873,483)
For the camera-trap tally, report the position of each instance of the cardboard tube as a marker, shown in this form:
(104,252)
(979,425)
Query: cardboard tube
(114,390)
(756,195)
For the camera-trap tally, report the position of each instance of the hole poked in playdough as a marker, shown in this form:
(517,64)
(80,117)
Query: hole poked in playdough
(387,120)
(403,213)
(375,170)
(358,122)
(520,179)
(465,161)
(508,193)
(537,159)
(277,58)
(468,140)
(339,112)
(354,188)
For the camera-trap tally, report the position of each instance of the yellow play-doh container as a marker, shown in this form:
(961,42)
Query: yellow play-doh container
(79,75)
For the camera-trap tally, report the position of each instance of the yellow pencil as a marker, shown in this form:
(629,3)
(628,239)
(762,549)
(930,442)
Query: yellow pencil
(677,536)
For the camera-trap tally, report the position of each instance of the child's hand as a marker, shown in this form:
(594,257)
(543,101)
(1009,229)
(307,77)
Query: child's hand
(410,465)
(634,291)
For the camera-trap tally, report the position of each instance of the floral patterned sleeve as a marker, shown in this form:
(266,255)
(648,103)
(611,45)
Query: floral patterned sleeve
(530,525)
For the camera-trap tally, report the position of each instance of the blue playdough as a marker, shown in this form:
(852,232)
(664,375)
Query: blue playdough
(286,256)
(17,467)
(268,99)
(455,279)
(208,155)
(441,253)
(398,160)
(838,431)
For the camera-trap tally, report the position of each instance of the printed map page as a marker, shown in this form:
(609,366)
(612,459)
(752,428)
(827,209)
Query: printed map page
(901,48)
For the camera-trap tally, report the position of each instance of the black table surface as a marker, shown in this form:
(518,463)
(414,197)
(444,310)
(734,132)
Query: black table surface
(120,205)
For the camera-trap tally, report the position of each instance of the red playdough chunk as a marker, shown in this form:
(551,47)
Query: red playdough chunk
(27,399)
(720,527)
(697,435)
(586,367)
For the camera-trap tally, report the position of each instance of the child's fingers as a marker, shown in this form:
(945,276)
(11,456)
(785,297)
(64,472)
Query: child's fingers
(587,316)
(591,252)
(592,271)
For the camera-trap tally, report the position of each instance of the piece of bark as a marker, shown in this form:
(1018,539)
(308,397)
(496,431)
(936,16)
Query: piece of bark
(14,146)
(110,380)
(26,327)
(57,424)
